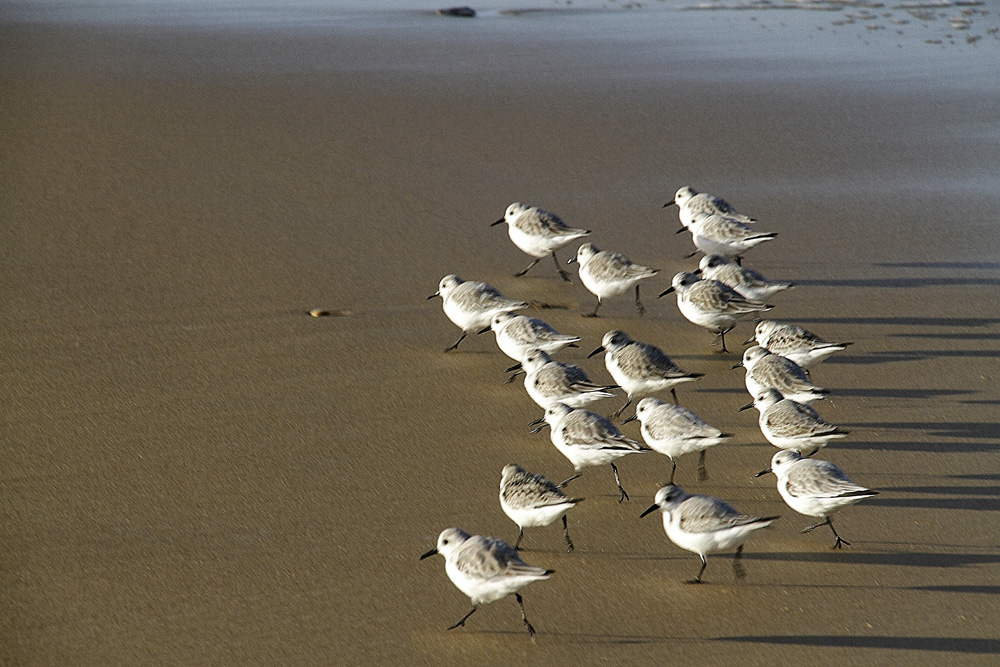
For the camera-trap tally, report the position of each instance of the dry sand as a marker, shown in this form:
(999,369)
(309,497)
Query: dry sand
(198,473)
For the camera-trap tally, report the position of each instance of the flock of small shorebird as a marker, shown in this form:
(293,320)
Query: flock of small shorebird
(715,297)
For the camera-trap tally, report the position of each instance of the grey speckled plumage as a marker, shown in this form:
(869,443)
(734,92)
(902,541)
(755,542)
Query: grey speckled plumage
(533,500)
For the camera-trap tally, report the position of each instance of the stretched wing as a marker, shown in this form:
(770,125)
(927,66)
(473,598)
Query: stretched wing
(817,478)
(703,514)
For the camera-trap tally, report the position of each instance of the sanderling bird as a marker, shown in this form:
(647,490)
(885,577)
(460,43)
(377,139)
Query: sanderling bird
(803,347)
(548,381)
(485,569)
(532,500)
(773,371)
(711,304)
(639,368)
(673,431)
(746,281)
(815,488)
(588,439)
(519,334)
(607,274)
(788,424)
(715,234)
(705,525)
(691,202)
(539,233)
(471,305)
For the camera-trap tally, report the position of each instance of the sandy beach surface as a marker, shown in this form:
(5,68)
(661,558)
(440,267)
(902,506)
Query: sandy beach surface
(196,472)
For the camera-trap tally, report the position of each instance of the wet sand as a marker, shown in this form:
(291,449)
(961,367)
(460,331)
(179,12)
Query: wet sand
(197,472)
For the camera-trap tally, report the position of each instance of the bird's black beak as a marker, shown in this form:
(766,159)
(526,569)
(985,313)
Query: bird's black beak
(598,350)
(681,230)
(652,508)
(745,407)
(430,553)
(494,224)
(539,427)
(763,472)
(697,272)
(537,421)
(515,367)
(483,330)
(666,292)
(735,366)
(630,419)
(669,204)
(571,260)
(749,340)
(433,295)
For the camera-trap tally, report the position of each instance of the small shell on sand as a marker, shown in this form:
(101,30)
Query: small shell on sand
(323,312)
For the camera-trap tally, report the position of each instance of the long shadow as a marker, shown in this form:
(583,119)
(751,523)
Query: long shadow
(900,559)
(963,430)
(941,265)
(922,322)
(913,355)
(974,504)
(985,590)
(901,283)
(911,446)
(946,490)
(950,336)
(941,644)
(898,393)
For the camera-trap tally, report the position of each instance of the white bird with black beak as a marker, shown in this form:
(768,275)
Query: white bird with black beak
(471,305)
(539,233)
(747,282)
(800,345)
(705,525)
(485,569)
(788,424)
(690,202)
(772,371)
(640,369)
(815,488)
(607,274)
(711,304)
(548,382)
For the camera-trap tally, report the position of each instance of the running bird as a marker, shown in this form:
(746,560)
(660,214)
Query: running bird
(746,281)
(691,203)
(788,424)
(640,368)
(471,305)
(674,431)
(705,525)
(532,500)
(815,488)
(519,334)
(549,382)
(607,274)
(485,569)
(715,234)
(539,233)
(801,346)
(711,304)
(588,439)
(772,371)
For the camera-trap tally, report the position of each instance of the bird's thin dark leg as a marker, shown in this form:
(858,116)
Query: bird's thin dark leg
(840,540)
(704,564)
(618,413)
(520,536)
(722,337)
(738,570)
(560,269)
(569,542)
(464,618)
(568,480)
(673,469)
(528,268)
(596,306)
(702,471)
(618,481)
(524,617)
(638,304)
(455,346)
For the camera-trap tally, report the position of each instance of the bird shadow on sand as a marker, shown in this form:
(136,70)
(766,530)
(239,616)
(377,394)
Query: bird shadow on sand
(918,322)
(900,559)
(983,590)
(898,643)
